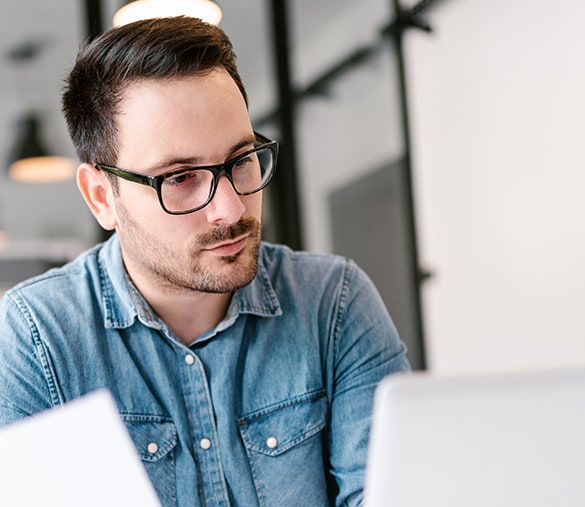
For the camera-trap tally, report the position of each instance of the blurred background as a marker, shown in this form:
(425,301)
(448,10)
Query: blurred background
(438,143)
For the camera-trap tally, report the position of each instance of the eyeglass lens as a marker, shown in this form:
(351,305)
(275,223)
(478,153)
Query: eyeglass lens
(193,188)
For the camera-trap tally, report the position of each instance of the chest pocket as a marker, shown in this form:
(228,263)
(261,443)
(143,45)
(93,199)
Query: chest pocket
(285,449)
(155,439)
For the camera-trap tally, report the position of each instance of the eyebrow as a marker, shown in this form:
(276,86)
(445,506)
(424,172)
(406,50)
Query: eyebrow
(168,162)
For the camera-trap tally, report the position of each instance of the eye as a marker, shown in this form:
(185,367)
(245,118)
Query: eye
(191,178)
(246,161)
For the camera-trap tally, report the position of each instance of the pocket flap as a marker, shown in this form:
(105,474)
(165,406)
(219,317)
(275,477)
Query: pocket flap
(276,429)
(153,436)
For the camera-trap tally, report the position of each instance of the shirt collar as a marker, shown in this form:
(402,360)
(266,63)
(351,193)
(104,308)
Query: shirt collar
(119,308)
(120,303)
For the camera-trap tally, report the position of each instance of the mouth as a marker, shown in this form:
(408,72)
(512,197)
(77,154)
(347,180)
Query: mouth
(228,248)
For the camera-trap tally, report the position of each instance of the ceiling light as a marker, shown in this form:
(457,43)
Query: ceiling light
(145,9)
(31,162)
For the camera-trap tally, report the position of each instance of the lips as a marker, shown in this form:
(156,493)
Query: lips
(228,248)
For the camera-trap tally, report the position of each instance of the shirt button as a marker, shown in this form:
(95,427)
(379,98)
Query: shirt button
(271,442)
(205,443)
(189,359)
(152,448)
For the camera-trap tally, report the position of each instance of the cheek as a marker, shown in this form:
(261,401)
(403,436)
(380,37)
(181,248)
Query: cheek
(253,205)
(141,198)
(139,205)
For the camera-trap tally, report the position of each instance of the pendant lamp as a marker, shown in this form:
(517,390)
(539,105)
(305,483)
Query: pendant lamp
(31,162)
(207,10)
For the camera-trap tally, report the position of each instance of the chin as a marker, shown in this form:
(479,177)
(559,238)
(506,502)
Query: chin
(230,272)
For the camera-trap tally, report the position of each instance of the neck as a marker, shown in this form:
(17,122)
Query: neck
(188,313)
(192,314)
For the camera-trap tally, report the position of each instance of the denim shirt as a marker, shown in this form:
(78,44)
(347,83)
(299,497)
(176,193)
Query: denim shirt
(271,407)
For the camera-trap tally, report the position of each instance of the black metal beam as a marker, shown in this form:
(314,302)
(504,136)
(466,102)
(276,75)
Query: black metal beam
(319,85)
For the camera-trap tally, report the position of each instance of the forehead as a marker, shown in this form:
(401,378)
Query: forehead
(186,116)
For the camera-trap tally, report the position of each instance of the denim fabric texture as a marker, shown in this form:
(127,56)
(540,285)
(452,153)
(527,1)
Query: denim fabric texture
(271,407)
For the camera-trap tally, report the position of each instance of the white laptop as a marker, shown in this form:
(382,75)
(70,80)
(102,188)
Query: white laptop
(79,455)
(497,440)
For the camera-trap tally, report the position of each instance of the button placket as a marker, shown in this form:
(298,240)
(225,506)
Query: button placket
(200,408)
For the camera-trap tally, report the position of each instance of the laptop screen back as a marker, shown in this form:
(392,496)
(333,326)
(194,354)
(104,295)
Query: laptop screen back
(515,439)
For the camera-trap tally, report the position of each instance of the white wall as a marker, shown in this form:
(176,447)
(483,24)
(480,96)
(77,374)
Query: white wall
(498,110)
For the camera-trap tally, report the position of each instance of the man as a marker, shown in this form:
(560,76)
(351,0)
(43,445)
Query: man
(244,371)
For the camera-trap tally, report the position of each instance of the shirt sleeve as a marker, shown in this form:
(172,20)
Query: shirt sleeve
(366,348)
(24,387)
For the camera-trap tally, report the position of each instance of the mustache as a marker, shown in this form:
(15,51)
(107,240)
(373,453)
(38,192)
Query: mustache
(226,232)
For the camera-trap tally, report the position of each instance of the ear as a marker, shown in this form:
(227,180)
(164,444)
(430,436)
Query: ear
(98,194)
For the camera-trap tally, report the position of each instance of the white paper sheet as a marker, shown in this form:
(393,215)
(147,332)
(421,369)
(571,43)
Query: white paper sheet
(74,456)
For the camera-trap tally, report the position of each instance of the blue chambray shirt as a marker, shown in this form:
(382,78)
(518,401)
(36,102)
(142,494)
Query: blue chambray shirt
(271,407)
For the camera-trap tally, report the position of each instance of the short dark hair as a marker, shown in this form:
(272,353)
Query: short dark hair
(161,48)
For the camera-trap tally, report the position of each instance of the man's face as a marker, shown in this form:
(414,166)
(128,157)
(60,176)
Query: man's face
(199,120)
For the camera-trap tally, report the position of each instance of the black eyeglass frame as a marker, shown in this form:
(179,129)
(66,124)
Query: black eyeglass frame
(218,171)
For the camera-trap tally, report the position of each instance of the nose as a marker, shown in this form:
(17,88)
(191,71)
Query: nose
(226,207)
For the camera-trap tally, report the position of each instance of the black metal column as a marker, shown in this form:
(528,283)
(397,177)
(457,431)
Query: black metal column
(93,18)
(404,19)
(285,183)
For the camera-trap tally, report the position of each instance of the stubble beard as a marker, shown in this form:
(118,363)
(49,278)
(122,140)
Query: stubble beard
(175,272)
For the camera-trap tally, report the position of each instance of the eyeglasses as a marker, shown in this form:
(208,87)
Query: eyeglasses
(191,188)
